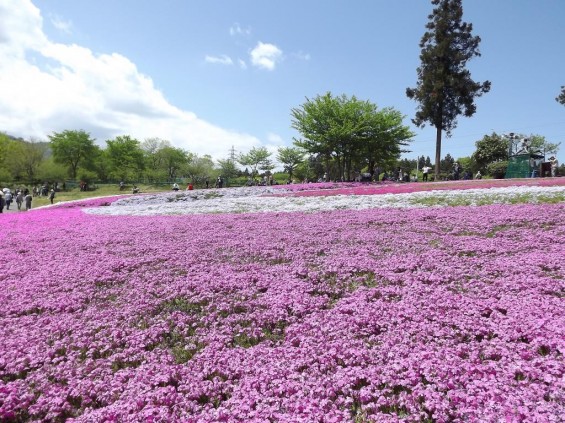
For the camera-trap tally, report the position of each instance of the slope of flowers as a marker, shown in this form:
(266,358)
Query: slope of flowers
(358,188)
(326,197)
(418,315)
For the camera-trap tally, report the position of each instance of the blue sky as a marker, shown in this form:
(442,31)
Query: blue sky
(208,75)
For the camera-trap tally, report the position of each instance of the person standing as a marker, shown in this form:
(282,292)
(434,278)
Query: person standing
(425,171)
(8,199)
(456,171)
(28,199)
(52,196)
(1,201)
(554,165)
(19,199)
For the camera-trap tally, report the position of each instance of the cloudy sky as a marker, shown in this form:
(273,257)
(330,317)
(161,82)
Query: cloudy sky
(209,75)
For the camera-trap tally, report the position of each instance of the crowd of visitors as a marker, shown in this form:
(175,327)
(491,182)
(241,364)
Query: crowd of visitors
(20,196)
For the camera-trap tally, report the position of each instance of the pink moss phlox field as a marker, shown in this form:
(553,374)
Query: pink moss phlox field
(89,202)
(387,187)
(446,315)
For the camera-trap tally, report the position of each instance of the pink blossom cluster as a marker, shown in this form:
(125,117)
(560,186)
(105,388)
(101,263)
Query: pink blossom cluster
(90,202)
(359,188)
(446,315)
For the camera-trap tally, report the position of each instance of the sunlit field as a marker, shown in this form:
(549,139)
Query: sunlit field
(304,303)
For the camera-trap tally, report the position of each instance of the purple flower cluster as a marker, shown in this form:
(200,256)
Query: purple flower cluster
(445,315)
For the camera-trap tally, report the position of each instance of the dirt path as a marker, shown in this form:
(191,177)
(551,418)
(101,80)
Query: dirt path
(14,209)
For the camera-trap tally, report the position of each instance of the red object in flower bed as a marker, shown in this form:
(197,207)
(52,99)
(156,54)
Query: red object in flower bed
(450,314)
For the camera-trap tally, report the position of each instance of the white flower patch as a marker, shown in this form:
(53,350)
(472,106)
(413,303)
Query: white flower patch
(257,200)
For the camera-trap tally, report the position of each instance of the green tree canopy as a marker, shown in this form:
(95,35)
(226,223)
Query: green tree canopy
(48,170)
(126,156)
(6,146)
(445,88)
(72,148)
(27,158)
(290,158)
(446,164)
(491,148)
(199,168)
(154,161)
(228,169)
(350,132)
(173,160)
(258,158)
(538,143)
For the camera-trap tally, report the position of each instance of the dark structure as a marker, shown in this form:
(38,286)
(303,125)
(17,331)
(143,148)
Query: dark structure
(523,162)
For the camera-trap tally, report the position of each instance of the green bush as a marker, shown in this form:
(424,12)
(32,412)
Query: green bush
(86,176)
(497,169)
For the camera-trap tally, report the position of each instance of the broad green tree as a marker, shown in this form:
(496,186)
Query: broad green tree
(491,148)
(446,164)
(173,161)
(28,158)
(349,133)
(126,157)
(102,164)
(258,158)
(290,157)
(72,148)
(467,164)
(384,139)
(5,146)
(228,169)
(539,144)
(8,147)
(154,165)
(445,89)
(200,168)
(48,170)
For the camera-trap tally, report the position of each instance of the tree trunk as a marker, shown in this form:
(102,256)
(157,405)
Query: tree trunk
(338,161)
(372,168)
(438,152)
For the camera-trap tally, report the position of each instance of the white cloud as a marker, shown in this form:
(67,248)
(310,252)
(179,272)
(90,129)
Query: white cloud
(222,60)
(242,64)
(302,56)
(274,139)
(61,25)
(236,29)
(266,56)
(49,86)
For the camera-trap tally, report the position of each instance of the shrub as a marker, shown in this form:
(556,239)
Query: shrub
(497,169)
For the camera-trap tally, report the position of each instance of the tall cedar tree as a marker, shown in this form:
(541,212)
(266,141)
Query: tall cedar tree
(445,89)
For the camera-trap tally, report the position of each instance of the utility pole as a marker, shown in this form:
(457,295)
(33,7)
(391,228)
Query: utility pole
(232,154)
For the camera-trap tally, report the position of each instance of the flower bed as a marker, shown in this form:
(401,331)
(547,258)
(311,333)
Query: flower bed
(427,314)
(359,188)
(261,199)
